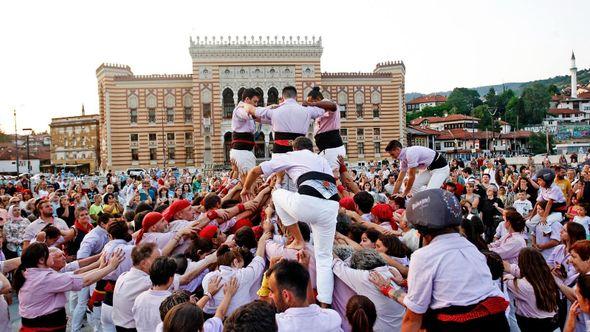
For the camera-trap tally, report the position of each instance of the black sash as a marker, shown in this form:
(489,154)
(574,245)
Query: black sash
(281,138)
(242,141)
(438,162)
(329,186)
(328,140)
(53,320)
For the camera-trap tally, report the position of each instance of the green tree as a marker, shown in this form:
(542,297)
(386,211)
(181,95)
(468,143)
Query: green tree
(5,138)
(463,100)
(491,99)
(553,90)
(485,118)
(535,103)
(538,143)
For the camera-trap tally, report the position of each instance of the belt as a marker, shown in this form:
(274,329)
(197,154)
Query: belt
(55,321)
(318,184)
(438,162)
(458,314)
(283,142)
(242,141)
(328,140)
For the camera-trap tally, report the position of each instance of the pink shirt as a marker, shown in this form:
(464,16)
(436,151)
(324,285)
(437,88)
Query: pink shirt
(327,122)
(44,291)
(241,121)
(561,256)
(342,294)
(126,264)
(275,249)
(290,117)
(509,246)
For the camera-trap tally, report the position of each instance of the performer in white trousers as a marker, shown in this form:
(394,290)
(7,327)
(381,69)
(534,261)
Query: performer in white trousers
(327,131)
(434,168)
(243,127)
(315,203)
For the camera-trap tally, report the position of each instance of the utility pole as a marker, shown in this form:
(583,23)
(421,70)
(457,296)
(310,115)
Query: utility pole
(16,143)
(29,130)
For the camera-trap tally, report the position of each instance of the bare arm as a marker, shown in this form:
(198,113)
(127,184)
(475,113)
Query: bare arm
(399,181)
(411,178)
(10,264)
(412,321)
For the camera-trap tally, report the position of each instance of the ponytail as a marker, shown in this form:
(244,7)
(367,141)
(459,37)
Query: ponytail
(361,313)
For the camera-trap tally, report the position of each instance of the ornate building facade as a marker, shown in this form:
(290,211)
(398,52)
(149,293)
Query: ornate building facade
(185,120)
(75,143)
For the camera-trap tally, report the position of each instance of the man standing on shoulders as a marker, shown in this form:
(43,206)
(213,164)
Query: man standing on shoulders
(315,203)
(327,130)
(243,128)
(433,166)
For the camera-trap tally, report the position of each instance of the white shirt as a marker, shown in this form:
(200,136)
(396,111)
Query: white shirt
(146,309)
(307,319)
(246,277)
(523,207)
(127,289)
(36,226)
(290,117)
(93,242)
(449,271)
(584,221)
(212,324)
(296,163)
(127,262)
(389,312)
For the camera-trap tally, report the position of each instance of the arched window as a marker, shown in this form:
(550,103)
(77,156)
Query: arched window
(273,96)
(226,146)
(261,100)
(228,103)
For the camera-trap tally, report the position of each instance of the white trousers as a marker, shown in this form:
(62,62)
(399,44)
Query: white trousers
(331,155)
(245,159)
(321,215)
(106,318)
(430,179)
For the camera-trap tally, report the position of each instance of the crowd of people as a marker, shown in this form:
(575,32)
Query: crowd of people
(302,242)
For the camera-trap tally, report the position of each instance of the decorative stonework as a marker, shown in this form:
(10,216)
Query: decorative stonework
(307,71)
(205,72)
(187,100)
(132,101)
(224,49)
(151,101)
(264,77)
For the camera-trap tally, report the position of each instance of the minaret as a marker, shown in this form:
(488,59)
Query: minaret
(573,73)
(83,111)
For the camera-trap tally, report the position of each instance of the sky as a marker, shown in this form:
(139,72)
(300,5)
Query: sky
(50,49)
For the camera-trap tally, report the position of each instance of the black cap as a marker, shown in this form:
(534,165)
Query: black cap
(434,209)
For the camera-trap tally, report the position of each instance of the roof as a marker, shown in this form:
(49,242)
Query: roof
(556,97)
(517,134)
(440,119)
(428,99)
(462,134)
(558,111)
(7,152)
(426,131)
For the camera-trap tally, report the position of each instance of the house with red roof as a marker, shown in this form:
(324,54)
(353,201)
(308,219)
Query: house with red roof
(417,104)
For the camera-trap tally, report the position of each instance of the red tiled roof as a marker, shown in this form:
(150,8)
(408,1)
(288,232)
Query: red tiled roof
(517,134)
(462,134)
(428,99)
(439,119)
(584,95)
(557,111)
(556,97)
(427,131)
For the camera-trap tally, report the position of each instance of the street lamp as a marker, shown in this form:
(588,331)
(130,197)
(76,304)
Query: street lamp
(492,114)
(30,131)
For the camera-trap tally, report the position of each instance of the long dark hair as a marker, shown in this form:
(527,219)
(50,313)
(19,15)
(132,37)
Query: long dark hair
(361,313)
(394,246)
(29,259)
(534,268)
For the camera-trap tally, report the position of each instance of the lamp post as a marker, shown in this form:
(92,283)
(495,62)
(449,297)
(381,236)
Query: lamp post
(492,114)
(16,143)
(29,130)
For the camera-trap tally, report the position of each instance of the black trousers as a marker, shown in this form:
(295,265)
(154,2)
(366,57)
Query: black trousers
(527,324)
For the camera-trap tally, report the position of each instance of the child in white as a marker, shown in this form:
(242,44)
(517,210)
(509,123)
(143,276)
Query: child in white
(581,217)
(522,205)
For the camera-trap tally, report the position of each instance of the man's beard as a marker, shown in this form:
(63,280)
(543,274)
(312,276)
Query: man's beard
(46,215)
